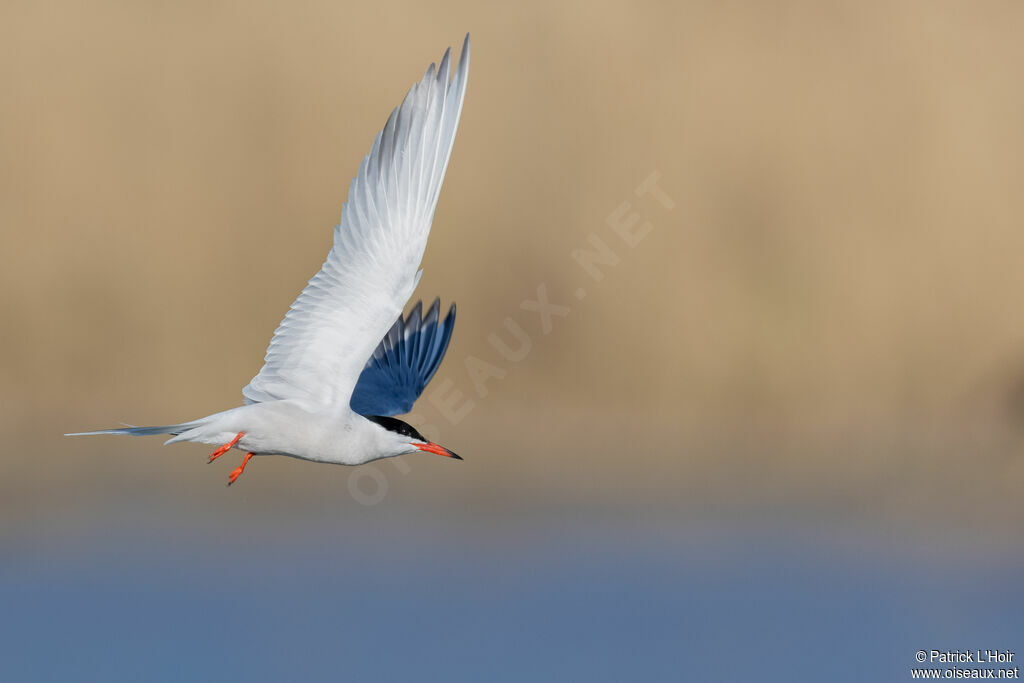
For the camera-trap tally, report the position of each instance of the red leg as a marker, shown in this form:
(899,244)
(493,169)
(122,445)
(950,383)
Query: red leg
(226,447)
(237,472)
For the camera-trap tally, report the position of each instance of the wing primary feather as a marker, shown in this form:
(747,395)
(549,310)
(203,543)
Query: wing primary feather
(433,325)
(432,338)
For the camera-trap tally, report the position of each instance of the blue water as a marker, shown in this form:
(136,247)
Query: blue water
(537,601)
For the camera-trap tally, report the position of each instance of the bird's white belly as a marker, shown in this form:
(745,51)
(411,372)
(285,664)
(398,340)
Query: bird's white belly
(286,428)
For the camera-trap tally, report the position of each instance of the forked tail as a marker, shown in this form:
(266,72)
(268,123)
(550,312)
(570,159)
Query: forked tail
(142,431)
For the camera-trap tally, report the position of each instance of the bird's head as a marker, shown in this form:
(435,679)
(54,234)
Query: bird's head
(400,438)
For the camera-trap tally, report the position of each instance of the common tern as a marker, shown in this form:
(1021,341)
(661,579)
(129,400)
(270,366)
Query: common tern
(344,362)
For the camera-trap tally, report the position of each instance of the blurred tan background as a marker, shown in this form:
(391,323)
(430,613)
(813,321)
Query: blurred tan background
(825,326)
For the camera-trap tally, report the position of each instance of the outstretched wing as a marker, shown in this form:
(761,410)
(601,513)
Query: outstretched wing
(321,346)
(404,362)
